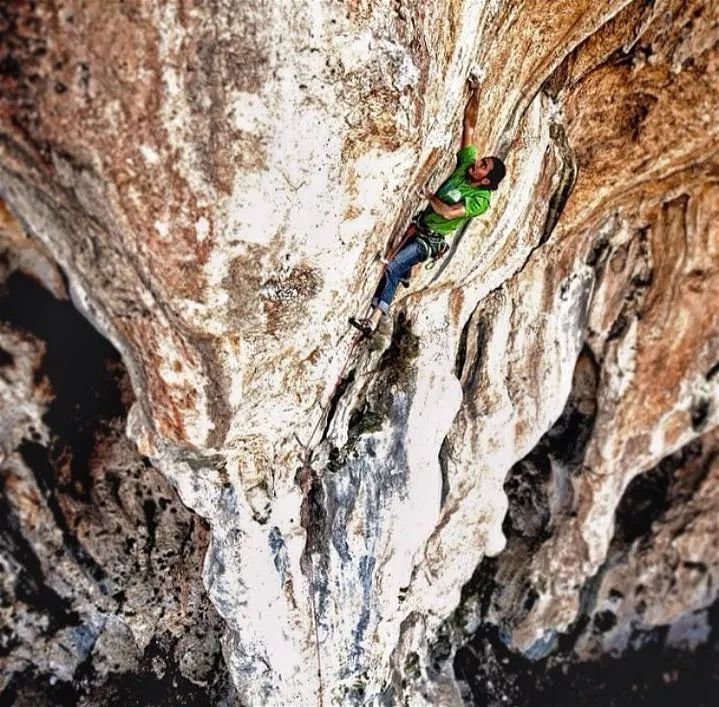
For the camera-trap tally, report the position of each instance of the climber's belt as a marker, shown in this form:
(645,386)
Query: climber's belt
(433,243)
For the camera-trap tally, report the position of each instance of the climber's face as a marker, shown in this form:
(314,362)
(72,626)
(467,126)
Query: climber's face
(480,169)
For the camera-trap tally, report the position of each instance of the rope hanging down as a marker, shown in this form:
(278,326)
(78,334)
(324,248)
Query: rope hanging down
(308,476)
(306,455)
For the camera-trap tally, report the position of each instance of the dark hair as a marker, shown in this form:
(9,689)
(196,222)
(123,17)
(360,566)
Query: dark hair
(496,174)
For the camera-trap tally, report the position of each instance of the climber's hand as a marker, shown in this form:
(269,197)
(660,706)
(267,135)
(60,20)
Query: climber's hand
(424,193)
(470,110)
(473,80)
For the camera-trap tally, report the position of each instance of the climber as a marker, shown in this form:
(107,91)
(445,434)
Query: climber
(464,195)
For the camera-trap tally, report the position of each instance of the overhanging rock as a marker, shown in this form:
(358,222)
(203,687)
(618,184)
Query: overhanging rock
(216,182)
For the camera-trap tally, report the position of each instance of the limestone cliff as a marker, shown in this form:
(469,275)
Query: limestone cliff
(216,179)
(101,588)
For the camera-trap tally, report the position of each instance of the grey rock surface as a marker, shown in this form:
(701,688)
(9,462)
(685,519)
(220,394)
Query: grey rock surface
(101,592)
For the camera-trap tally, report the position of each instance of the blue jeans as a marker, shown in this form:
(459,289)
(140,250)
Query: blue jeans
(412,253)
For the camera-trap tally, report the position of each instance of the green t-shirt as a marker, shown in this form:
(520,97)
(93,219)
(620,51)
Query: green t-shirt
(455,189)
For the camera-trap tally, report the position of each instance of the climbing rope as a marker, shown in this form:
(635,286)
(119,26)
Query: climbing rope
(390,254)
(308,476)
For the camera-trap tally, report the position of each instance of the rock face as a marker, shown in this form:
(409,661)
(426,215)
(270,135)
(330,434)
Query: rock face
(215,182)
(101,593)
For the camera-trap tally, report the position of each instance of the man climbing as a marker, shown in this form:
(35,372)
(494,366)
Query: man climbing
(464,195)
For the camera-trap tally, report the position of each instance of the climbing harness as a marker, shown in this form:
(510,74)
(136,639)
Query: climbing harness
(434,244)
(435,247)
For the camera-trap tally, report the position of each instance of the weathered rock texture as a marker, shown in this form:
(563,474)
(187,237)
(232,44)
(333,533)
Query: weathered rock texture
(216,180)
(101,599)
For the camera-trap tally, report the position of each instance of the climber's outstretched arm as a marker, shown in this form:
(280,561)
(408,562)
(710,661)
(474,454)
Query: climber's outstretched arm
(470,115)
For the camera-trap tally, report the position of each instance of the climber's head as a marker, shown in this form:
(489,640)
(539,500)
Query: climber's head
(487,172)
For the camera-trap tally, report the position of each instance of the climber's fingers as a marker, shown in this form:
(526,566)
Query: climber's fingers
(474,79)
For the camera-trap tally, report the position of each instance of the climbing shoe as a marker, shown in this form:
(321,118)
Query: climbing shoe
(363,325)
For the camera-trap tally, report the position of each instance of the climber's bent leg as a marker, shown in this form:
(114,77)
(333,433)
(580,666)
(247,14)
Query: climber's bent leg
(397,268)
